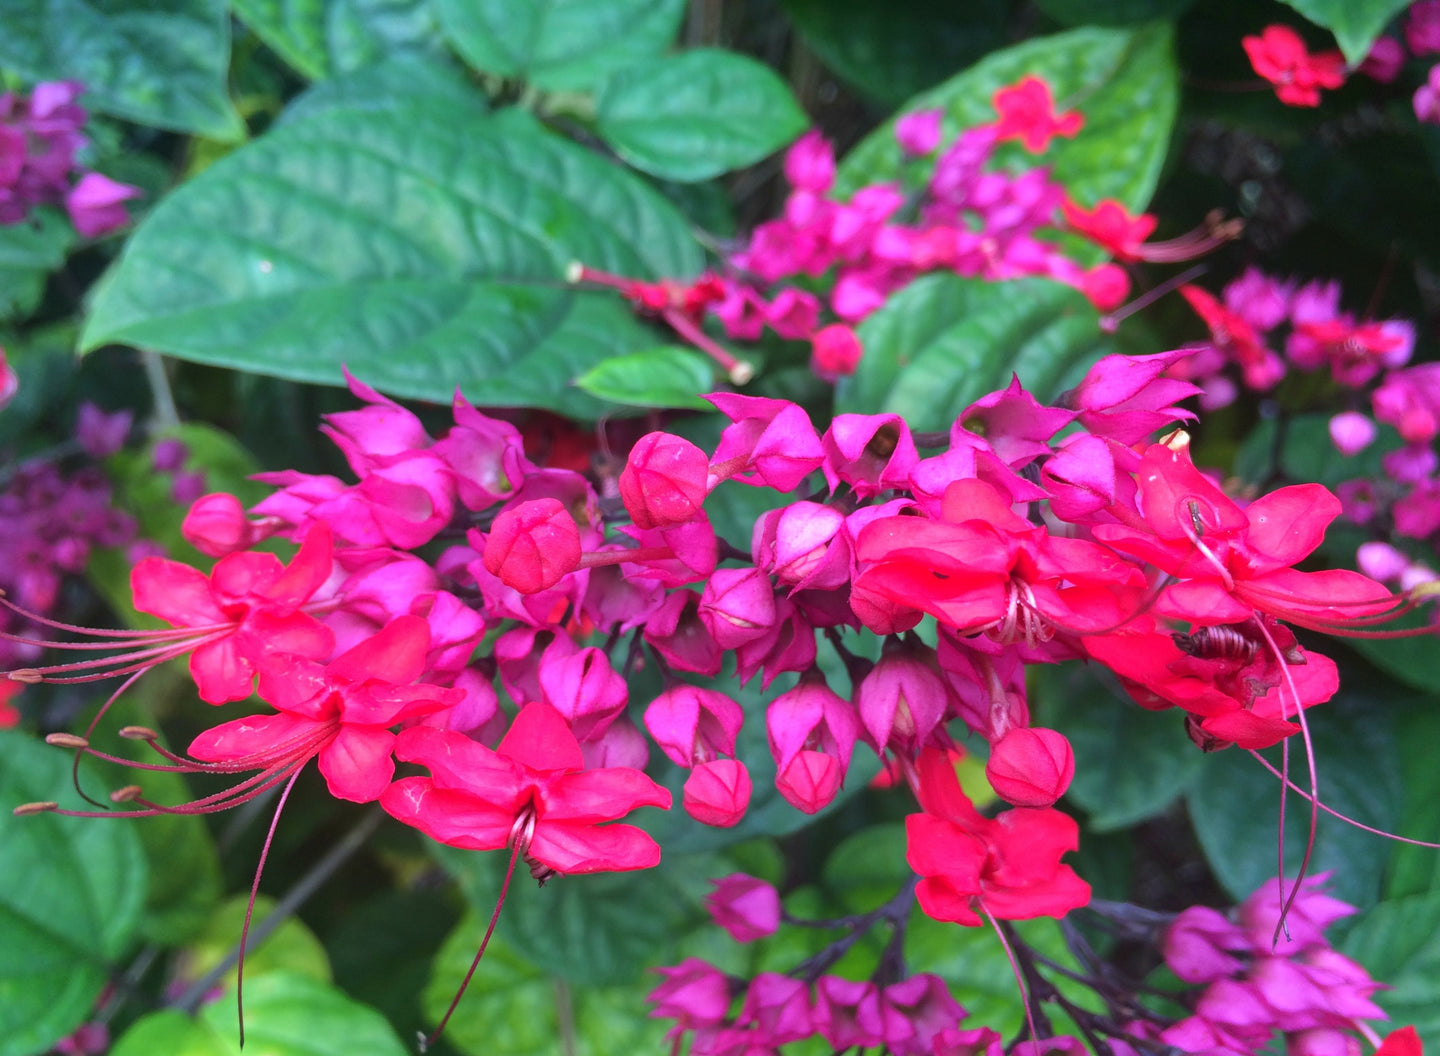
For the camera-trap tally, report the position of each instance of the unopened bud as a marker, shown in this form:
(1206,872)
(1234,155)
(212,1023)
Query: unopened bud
(718,793)
(533,546)
(66,740)
(42,807)
(139,733)
(1030,766)
(664,479)
(128,794)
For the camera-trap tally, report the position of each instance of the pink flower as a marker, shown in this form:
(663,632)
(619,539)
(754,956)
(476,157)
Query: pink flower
(533,546)
(96,204)
(746,907)
(810,163)
(718,793)
(1027,113)
(1030,766)
(1280,56)
(918,133)
(664,480)
(835,352)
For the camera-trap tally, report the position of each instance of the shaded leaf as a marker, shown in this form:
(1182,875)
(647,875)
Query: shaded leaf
(944,341)
(320,38)
(29,252)
(1112,12)
(163,63)
(558,44)
(397,83)
(1234,805)
(669,376)
(71,893)
(697,114)
(1123,81)
(424,247)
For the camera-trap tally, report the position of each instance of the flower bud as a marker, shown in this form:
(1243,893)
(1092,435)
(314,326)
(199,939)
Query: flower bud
(694,993)
(835,351)
(919,133)
(533,546)
(694,725)
(738,606)
(718,793)
(1381,561)
(811,781)
(584,689)
(664,480)
(1030,766)
(1351,432)
(216,525)
(745,906)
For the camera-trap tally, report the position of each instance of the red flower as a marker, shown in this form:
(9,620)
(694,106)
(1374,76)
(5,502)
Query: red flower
(1008,866)
(532,793)
(1280,56)
(1027,113)
(1109,225)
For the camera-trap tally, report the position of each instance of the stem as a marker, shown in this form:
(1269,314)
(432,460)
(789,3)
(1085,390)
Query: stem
(167,416)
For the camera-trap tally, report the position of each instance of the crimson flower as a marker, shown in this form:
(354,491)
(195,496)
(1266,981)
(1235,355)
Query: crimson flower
(1008,866)
(1027,113)
(1110,226)
(1280,56)
(532,793)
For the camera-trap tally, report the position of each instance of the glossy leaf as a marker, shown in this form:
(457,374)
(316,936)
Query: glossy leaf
(71,893)
(320,38)
(163,63)
(397,83)
(892,50)
(1123,81)
(1234,805)
(285,1015)
(669,376)
(29,252)
(424,247)
(1130,764)
(944,341)
(1355,23)
(697,114)
(558,44)
(1398,942)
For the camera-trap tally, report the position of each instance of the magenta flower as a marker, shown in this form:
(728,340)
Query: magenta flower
(745,906)
(96,204)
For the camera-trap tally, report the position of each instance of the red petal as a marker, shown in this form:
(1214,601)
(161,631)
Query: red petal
(574,847)
(458,764)
(309,569)
(357,763)
(449,817)
(245,737)
(539,739)
(1287,525)
(178,594)
(601,795)
(941,901)
(395,654)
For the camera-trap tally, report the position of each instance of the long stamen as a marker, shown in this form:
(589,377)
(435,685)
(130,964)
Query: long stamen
(250,906)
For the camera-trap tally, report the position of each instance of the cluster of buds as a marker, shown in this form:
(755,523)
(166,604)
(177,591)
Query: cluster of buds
(40,144)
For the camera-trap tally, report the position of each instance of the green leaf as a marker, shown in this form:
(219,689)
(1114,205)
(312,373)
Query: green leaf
(1416,870)
(291,950)
(944,341)
(669,376)
(892,50)
(1398,942)
(285,1015)
(1123,81)
(320,38)
(697,114)
(162,63)
(1355,23)
(29,252)
(1130,764)
(424,247)
(1234,804)
(1112,12)
(398,83)
(563,45)
(71,892)
(44,361)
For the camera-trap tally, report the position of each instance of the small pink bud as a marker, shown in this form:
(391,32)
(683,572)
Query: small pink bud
(835,351)
(1106,286)
(811,781)
(718,793)
(738,606)
(9,380)
(533,546)
(693,725)
(663,481)
(919,133)
(810,163)
(96,204)
(694,993)
(1381,561)
(1322,1041)
(747,907)
(1030,766)
(216,525)
(1351,432)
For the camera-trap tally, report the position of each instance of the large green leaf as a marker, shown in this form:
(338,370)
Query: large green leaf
(161,63)
(424,247)
(324,37)
(668,376)
(1130,764)
(1123,81)
(29,252)
(944,341)
(1416,870)
(892,50)
(698,114)
(1398,942)
(400,82)
(1355,23)
(71,892)
(1234,804)
(559,44)
(285,1015)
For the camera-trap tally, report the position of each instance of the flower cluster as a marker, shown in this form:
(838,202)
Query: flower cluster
(40,144)
(1256,984)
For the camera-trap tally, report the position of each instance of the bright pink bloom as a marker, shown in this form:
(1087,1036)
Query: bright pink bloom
(216,525)
(584,689)
(745,906)
(339,712)
(533,546)
(1422,27)
(902,700)
(1280,56)
(1027,113)
(486,457)
(847,1013)
(914,1012)
(1385,60)
(1127,398)
(771,443)
(810,163)
(1009,866)
(663,482)
(1402,1042)
(737,606)
(694,994)
(918,133)
(1305,919)
(1199,942)
(1351,432)
(247,609)
(9,381)
(718,793)
(96,204)
(532,792)
(1236,340)
(779,1008)
(1410,401)
(1030,766)
(835,352)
